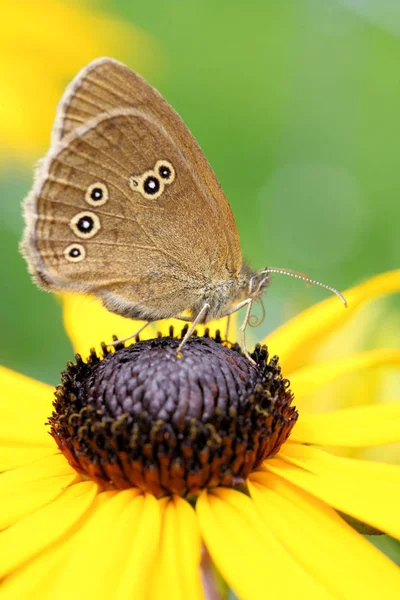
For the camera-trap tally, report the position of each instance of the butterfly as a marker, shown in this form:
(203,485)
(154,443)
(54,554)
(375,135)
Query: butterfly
(126,207)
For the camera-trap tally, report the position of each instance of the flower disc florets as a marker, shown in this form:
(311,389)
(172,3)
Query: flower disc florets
(142,417)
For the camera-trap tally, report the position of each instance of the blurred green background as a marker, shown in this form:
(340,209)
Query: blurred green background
(295,104)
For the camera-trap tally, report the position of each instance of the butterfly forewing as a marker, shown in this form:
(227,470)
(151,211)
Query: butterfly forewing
(125,205)
(140,251)
(107,85)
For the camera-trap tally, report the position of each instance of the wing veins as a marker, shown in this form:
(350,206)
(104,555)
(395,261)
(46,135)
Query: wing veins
(96,210)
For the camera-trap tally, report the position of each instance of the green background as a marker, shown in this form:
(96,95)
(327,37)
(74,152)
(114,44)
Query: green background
(296,105)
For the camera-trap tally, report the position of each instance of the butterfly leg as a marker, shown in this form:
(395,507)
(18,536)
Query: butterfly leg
(248,303)
(243,331)
(130,336)
(193,326)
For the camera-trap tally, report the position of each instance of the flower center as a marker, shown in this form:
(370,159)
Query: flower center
(142,417)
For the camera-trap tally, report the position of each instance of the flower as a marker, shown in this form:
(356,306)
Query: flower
(66,536)
(49,41)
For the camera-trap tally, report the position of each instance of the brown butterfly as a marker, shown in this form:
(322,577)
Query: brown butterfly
(126,207)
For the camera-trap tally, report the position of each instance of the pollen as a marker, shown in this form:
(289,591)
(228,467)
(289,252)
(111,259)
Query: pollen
(141,417)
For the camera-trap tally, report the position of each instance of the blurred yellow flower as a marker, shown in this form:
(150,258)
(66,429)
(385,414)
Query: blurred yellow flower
(42,45)
(65,536)
(362,345)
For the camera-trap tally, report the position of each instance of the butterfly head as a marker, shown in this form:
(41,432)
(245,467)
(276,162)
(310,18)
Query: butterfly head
(258,281)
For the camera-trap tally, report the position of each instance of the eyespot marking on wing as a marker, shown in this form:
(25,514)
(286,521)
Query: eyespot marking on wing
(75,253)
(85,224)
(165,170)
(151,184)
(97,194)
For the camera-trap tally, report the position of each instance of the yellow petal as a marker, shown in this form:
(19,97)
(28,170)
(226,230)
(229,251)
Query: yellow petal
(88,324)
(28,488)
(307,380)
(101,548)
(25,407)
(250,558)
(12,457)
(39,530)
(140,552)
(35,578)
(344,563)
(21,497)
(369,493)
(39,577)
(318,461)
(299,336)
(50,466)
(24,499)
(178,564)
(355,427)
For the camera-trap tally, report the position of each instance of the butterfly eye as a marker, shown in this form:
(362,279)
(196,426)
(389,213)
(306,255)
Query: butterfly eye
(75,252)
(165,170)
(85,224)
(97,194)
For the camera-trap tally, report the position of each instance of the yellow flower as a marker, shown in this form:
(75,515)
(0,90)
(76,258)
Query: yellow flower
(42,44)
(64,536)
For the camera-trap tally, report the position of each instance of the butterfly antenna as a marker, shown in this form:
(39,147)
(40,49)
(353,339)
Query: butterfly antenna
(304,277)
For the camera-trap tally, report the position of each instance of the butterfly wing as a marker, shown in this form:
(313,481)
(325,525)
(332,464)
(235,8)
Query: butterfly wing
(107,85)
(91,225)
(146,255)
